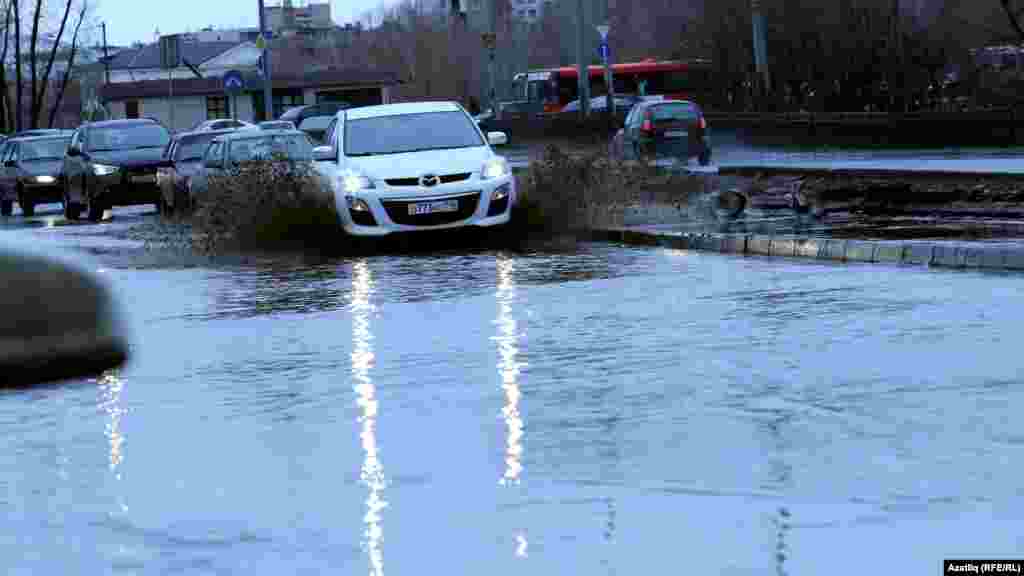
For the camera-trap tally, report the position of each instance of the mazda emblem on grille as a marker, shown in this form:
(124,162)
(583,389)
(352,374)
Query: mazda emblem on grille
(429,180)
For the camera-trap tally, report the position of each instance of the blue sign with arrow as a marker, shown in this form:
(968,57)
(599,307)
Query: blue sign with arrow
(603,51)
(233,82)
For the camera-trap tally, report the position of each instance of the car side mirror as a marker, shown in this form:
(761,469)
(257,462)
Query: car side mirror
(497,138)
(324,154)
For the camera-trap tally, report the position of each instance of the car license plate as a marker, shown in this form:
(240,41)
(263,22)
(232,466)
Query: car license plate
(144,179)
(433,207)
(675,134)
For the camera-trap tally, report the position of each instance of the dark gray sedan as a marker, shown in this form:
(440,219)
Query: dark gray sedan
(32,172)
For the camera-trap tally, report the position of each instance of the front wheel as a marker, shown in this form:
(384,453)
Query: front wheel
(28,205)
(72,211)
(705,157)
(93,207)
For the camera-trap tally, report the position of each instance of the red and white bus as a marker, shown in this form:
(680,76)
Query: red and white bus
(689,80)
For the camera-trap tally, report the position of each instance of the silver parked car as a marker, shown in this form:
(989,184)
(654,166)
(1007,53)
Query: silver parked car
(229,151)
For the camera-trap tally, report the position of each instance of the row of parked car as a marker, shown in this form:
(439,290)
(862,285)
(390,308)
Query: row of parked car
(391,168)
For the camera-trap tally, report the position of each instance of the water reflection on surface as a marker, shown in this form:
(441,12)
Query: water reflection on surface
(507,338)
(372,473)
(111,385)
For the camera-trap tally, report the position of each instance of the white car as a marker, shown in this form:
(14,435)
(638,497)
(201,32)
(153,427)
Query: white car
(412,167)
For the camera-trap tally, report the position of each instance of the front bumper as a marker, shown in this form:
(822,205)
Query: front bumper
(40,192)
(121,189)
(389,207)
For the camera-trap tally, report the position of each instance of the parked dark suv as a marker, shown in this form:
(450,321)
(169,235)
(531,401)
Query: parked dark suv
(30,172)
(113,163)
(664,129)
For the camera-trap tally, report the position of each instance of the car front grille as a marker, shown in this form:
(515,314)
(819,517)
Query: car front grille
(446,179)
(398,211)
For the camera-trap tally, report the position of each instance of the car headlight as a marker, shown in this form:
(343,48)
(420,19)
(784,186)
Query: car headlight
(501,192)
(494,168)
(357,204)
(103,169)
(44,179)
(352,181)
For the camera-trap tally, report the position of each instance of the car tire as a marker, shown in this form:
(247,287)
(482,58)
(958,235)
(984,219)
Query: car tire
(27,204)
(6,207)
(93,207)
(72,211)
(705,157)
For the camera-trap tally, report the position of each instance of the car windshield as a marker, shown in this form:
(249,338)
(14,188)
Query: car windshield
(289,146)
(316,123)
(410,133)
(192,149)
(129,137)
(49,149)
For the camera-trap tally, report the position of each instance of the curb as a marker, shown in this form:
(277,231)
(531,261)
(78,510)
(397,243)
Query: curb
(862,251)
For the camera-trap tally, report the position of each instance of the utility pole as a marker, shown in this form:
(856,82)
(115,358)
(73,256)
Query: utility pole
(582,69)
(760,50)
(268,103)
(609,84)
(106,55)
(491,40)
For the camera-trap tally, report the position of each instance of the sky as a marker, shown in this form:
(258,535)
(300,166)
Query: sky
(137,20)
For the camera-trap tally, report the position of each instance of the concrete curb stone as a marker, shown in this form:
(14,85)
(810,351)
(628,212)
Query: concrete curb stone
(922,254)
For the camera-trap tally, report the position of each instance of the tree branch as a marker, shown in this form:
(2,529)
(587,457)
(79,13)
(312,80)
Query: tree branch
(40,99)
(33,48)
(71,64)
(1012,17)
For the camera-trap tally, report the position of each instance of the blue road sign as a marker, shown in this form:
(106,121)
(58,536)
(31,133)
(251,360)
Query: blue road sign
(268,35)
(233,81)
(603,51)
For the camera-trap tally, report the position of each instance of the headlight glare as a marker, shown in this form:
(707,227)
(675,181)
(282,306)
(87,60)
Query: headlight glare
(103,169)
(494,168)
(352,181)
(45,179)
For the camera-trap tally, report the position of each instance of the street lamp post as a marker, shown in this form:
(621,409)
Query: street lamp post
(268,104)
(609,85)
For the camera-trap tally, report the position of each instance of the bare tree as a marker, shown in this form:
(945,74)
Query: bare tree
(39,91)
(18,84)
(5,101)
(71,62)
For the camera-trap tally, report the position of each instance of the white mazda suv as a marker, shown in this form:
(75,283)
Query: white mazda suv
(413,167)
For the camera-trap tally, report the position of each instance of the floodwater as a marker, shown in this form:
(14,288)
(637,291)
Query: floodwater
(600,410)
(731,150)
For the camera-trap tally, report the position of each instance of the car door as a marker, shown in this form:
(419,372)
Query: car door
(9,171)
(200,181)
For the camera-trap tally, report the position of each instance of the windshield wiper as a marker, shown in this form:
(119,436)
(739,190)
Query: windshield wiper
(406,151)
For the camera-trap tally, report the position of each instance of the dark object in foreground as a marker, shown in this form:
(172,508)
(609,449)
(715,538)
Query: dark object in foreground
(58,324)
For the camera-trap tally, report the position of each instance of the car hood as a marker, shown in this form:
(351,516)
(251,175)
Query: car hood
(128,158)
(415,164)
(41,167)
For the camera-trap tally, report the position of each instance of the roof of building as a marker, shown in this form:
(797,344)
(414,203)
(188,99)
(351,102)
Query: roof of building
(333,77)
(148,56)
(403,108)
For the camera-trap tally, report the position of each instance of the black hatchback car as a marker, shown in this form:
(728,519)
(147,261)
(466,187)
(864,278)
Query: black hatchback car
(113,163)
(663,129)
(31,172)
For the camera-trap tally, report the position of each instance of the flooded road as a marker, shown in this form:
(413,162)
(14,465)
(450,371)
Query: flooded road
(603,410)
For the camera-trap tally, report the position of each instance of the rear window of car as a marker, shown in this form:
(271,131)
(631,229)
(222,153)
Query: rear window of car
(289,146)
(674,112)
(192,148)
